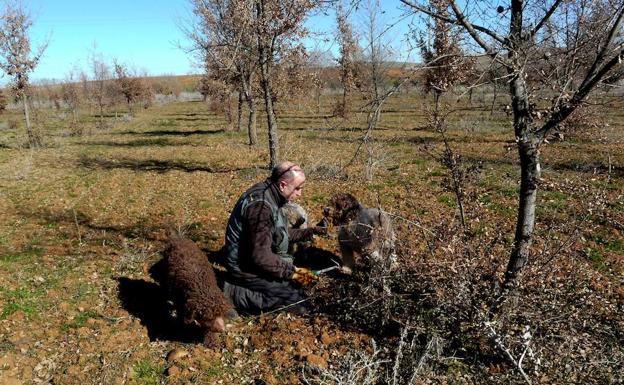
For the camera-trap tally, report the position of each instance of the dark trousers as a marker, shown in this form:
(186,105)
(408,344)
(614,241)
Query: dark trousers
(255,295)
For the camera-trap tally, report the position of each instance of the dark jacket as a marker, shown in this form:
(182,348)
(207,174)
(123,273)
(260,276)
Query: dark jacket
(257,238)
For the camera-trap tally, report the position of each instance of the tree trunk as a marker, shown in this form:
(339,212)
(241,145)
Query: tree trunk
(251,103)
(265,56)
(530,173)
(346,109)
(239,116)
(101,114)
(318,100)
(268,103)
(494,97)
(272,123)
(33,139)
(528,150)
(251,124)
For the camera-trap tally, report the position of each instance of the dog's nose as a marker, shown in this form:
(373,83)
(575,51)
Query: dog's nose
(325,211)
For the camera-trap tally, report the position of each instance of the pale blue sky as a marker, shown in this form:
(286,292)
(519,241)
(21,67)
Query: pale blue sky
(140,33)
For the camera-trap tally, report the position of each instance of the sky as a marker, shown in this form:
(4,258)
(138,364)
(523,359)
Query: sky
(143,34)
(139,33)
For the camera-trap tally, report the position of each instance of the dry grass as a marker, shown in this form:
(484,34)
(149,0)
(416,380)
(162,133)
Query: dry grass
(82,221)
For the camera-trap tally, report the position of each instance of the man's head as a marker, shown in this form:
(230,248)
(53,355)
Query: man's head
(289,179)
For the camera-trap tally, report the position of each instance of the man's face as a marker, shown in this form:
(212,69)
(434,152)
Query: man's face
(291,189)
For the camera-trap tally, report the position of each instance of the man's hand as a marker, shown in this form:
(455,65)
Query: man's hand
(321,227)
(303,276)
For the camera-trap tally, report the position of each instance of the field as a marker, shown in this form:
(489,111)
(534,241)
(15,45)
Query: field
(83,220)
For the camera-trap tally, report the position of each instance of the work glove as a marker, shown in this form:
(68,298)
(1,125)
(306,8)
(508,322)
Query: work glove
(303,276)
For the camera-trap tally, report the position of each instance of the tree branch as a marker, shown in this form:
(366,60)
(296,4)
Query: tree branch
(603,50)
(461,19)
(580,95)
(449,20)
(546,17)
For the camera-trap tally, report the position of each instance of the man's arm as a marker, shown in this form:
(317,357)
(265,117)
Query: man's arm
(260,222)
(302,235)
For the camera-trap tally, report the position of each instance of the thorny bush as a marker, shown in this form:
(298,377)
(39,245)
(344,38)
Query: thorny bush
(561,324)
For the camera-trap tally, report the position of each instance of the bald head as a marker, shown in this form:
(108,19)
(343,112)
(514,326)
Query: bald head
(289,179)
(285,171)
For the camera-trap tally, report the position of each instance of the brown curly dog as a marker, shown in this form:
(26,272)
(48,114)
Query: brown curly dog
(363,231)
(192,286)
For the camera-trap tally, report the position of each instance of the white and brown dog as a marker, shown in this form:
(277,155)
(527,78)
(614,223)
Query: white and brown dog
(363,231)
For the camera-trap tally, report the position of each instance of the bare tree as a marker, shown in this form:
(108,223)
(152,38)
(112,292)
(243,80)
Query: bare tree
(445,66)
(350,53)
(98,85)
(237,39)
(203,86)
(133,88)
(559,51)
(223,39)
(70,95)
(376,63)
(16,58)
(278,25)
(317,66)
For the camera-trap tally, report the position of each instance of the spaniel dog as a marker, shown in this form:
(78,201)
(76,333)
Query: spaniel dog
(192,286)
(364,232)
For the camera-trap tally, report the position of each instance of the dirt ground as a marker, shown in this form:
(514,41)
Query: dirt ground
(83,220)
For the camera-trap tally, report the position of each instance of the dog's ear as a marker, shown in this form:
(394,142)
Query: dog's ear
(346,202)
(351,202)
(343,204)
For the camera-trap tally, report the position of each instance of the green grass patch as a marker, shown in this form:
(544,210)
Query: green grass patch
(615,246)
(447,201)
(80,320)
(510,191)
(485,199)
(508,211)
(21,299)
(436,173)
(555,199)
(417,161)
(596,257)
(148,372)
(319,198)
(26,256)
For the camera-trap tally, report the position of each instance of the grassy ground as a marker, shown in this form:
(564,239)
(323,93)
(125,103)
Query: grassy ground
(83,219)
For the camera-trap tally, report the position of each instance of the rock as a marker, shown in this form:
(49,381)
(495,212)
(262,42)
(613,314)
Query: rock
(315,360)
(176,354)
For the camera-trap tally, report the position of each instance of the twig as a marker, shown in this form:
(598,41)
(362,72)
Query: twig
(77,226)
(499,343)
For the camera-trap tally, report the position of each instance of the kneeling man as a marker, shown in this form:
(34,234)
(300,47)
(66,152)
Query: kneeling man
(261,274)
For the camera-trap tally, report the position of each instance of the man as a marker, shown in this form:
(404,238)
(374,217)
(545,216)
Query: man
(261,274)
